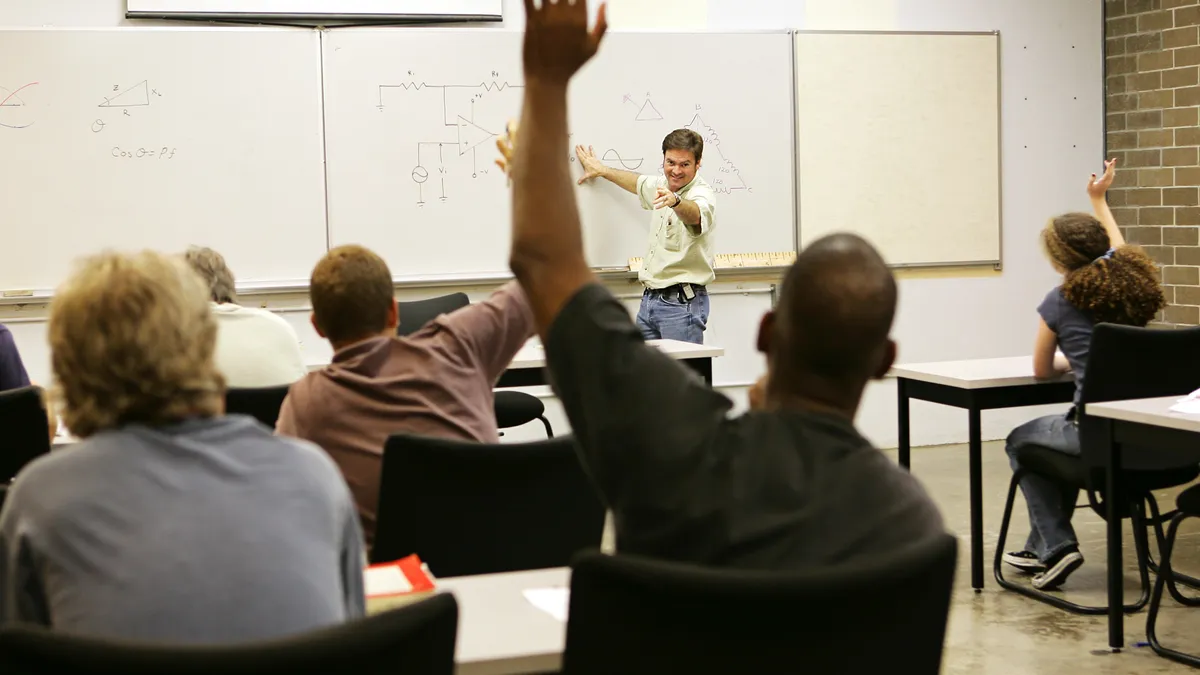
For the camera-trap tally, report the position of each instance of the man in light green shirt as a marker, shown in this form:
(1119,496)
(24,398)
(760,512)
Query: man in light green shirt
(679,263)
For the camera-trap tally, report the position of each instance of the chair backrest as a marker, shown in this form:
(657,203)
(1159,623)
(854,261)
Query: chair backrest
(414,315)
(261,403)
(471,508)
(1125,362)
(417,638)
(24,430)
(636,615)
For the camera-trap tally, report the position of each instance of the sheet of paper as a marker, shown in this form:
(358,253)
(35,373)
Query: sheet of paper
(387,580)
(1188,406)
(553,601)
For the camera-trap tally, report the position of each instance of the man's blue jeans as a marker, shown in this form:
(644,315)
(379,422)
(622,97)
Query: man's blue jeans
(668,314)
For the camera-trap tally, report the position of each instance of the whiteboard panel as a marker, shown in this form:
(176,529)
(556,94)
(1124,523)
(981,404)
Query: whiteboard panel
(412,117)
(361,9)
(132,138)
(898,140)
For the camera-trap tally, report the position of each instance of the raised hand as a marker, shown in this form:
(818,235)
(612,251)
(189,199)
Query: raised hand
(557,39)
(507,145)
(1097,187)
(592,167)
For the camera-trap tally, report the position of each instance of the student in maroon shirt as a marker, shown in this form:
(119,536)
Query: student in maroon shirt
(435,382)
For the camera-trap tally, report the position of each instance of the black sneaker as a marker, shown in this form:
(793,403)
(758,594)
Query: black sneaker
(1026,561)
(1058,569)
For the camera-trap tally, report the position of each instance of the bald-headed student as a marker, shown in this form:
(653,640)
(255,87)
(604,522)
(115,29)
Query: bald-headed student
(789,485)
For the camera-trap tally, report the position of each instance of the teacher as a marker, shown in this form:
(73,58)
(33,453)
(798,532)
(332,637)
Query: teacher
(679,262)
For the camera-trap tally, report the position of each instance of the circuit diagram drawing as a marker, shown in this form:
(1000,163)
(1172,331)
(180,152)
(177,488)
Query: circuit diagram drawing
(13,113)
(453,148)
(730,179)
(646,112)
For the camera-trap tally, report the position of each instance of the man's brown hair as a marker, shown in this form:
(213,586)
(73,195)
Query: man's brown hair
(351,291)
(684,139)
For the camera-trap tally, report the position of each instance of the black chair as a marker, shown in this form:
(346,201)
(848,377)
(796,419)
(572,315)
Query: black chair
(513,408)
(1187,505)
(417,638)
(26,430)
(471,508)
(634,615)
(1120,364)
(414,315)
(261,403)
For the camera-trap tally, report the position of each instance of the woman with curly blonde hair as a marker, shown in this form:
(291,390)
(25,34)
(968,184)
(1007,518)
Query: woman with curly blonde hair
(1104,281)
(169,521)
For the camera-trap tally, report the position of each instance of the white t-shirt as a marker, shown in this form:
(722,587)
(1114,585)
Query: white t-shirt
(255,348)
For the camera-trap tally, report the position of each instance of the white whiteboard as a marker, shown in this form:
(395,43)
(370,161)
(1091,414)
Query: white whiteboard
(160,138)
(898,139)
(412,117)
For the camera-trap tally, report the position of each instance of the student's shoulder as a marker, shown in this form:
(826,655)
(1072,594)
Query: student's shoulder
(309,459)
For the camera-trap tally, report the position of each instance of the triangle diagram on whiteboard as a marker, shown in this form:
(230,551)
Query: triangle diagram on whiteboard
(471,135)
(137,95)
(648,113)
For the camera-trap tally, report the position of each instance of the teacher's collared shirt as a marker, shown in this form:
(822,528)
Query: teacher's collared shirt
(676,255)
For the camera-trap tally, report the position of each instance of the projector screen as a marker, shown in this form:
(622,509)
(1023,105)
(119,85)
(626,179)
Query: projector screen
(317,10)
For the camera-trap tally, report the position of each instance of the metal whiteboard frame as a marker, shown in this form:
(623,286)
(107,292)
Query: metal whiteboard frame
(998,263)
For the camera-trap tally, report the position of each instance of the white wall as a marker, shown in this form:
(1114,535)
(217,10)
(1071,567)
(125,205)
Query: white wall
(1052,131)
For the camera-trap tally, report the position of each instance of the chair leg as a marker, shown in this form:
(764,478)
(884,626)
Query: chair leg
(546,423)
(1141,546)
(1041,596)
(1156,600)
(1176,578)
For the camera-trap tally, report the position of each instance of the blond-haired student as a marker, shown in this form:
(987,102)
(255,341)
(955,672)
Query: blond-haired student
(168,521)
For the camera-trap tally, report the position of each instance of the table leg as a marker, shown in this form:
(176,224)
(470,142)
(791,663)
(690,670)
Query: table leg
(902,421)
(1116,575)
(975,452)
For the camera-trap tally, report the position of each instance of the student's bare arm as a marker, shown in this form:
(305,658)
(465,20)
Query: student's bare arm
(1097,190)
(1047,362)
(547,247)
(594,168)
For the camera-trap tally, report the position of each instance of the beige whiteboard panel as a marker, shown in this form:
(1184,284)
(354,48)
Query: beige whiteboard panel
(898,140)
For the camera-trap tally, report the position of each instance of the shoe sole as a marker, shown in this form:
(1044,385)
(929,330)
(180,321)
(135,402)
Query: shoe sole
(1058,574)
(1024,565)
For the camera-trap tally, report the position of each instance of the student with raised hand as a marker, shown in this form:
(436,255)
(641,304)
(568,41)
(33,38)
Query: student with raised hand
(434,382)
(255,348)
(168,521)
(791,485)
(1104,281)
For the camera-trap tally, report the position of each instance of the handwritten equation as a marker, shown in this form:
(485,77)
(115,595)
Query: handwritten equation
(165,152)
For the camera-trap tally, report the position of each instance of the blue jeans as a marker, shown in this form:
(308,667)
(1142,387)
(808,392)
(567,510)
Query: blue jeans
(668,314)
(1051,504)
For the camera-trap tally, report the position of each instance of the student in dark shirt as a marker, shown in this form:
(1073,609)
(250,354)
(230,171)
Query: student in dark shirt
(12,370)
(1104,281)
(791,485)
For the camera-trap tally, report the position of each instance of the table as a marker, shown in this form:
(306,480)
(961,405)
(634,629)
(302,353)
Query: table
(528,367)
(499,631)
(1144,423)
(976,385)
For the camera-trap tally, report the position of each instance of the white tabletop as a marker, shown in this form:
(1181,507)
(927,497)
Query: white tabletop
(499,630)
(533,355)
(1154,411)
(976,373)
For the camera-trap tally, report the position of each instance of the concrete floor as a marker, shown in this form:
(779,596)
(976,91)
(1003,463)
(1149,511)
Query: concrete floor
(1000,632)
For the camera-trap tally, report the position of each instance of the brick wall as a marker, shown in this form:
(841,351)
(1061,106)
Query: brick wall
(1152,50)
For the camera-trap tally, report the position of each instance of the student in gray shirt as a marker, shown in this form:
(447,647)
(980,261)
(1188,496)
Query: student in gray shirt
(168,522)
(792,485)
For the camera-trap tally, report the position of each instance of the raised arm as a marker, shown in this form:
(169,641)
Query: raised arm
(594,168)
(547,247)
(1097,189)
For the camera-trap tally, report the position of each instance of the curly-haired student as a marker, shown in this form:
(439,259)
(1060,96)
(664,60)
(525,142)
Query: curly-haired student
(1104,281)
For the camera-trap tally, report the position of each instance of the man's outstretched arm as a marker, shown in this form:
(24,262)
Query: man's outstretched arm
(547,247)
